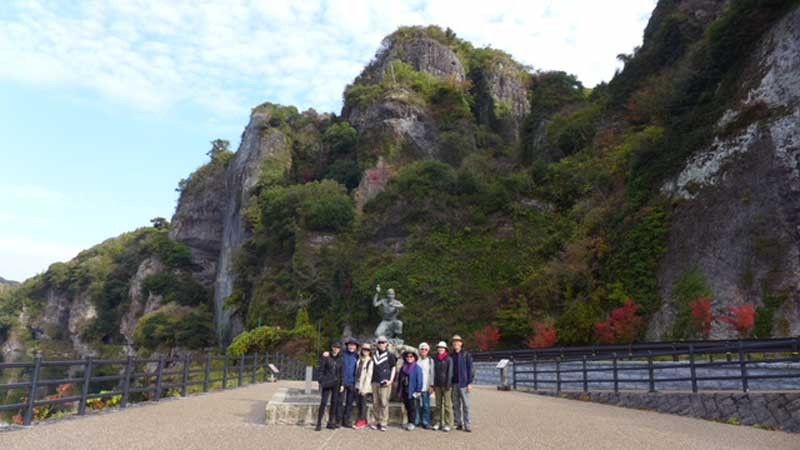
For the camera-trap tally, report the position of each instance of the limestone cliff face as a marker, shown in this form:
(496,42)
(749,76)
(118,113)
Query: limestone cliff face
(502,96)
(737,200)
(141,302)
(261,144)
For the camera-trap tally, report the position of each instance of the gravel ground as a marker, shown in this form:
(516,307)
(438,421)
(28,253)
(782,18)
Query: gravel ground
(502,420)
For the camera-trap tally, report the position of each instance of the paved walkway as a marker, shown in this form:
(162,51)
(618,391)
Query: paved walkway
(503,420)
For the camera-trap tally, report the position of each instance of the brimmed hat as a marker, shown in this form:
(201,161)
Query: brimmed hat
(351,340)
(441,344)
(456,338)
(425,346)
(336,344)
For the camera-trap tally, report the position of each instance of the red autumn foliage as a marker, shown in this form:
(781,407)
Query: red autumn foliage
(487,338)
(545,336)
(702,316)
(623,326)
(743,318)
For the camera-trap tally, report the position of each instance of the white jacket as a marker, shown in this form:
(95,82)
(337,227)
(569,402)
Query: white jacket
(364,383)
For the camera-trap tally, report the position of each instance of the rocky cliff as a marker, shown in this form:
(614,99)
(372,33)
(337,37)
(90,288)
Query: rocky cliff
(486,193)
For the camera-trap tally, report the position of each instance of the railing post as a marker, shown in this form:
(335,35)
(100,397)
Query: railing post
(225,371)
(207,374)
(535,375)
(159,377)
(87,378)
(692,369)
(651,372)
(674,353)
(513,372)
(37,367)
(241,371)
(616,375)
(558,375)
(585,374)
(185,380)
(126,383)
(743,368)
(255,368)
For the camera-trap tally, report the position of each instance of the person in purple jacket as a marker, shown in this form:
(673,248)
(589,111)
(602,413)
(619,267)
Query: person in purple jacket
(463,375)
(409,386)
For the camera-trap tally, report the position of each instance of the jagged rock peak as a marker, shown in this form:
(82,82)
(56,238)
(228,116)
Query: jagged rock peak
(426,49)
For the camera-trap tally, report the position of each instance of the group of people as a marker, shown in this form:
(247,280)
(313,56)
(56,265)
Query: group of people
(347,377)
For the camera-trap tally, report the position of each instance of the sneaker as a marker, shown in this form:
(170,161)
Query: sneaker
(361,425)
(375,427)
(318,427)
(410,427)
(468,429)
(459,427)
(381,427)
(436,427)
(331,426)
(446,429)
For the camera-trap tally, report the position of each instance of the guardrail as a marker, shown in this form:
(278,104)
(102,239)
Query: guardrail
(148,379)
(740,362)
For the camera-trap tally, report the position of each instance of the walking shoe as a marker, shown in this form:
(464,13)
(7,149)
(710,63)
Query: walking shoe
(318,427)
(459,427)
(436,427)
(331,426)
(446,429)
(375,427)
(410,427)
(381,427)
(468,429)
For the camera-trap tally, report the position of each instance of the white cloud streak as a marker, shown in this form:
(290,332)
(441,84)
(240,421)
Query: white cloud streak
(219,56)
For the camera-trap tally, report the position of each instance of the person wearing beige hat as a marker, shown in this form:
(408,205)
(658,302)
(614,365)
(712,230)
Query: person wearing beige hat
(363,385)
(443,388)
(463,376)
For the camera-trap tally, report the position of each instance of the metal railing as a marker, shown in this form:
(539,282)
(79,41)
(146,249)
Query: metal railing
(691,363)
(146,379)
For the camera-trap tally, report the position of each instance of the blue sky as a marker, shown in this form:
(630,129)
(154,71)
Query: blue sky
(107,105)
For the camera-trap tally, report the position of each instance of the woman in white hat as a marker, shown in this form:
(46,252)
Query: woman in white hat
(443,388)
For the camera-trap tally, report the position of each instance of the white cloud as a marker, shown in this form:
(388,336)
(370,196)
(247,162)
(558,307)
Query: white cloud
(222,55)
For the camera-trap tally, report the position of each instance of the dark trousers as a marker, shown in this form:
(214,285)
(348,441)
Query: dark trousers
(411,407)
(349,396)
(362,407)
(331,394)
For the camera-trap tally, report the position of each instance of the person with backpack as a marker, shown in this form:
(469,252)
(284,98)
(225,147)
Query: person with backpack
(463,375)
(383,373)
(363,385)
(409,386)
(423,405)
(330,385)
(349,378)
(443,388)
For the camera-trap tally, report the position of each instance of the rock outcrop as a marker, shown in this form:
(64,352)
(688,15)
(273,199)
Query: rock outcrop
(738,202)
(502,100)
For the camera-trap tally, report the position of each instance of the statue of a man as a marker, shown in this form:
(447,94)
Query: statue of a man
(389,307)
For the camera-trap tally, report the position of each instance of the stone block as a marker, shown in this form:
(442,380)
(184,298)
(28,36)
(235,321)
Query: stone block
(291,406)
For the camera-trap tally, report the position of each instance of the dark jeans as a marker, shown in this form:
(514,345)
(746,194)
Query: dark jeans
(335,405)
(349,395)
(423,410)
(411,407)
(362,407)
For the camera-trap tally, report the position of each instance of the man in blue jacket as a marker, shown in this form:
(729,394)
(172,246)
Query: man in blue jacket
(349,380)
(463,376)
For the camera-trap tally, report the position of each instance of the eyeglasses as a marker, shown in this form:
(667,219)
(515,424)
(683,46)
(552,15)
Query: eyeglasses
(381,342)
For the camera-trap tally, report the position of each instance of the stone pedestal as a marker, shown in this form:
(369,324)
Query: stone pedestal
(291,406)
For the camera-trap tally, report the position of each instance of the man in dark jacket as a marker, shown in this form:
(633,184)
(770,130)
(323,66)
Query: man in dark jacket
(330,386)
(349,380)
(463,376)
(443,388)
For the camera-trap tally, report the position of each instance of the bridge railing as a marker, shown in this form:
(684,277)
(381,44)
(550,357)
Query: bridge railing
(125,381)
(766,364)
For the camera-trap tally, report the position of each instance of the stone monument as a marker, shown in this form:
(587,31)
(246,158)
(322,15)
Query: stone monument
(389,307)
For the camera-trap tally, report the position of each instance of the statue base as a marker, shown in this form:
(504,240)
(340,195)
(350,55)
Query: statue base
(292,406)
